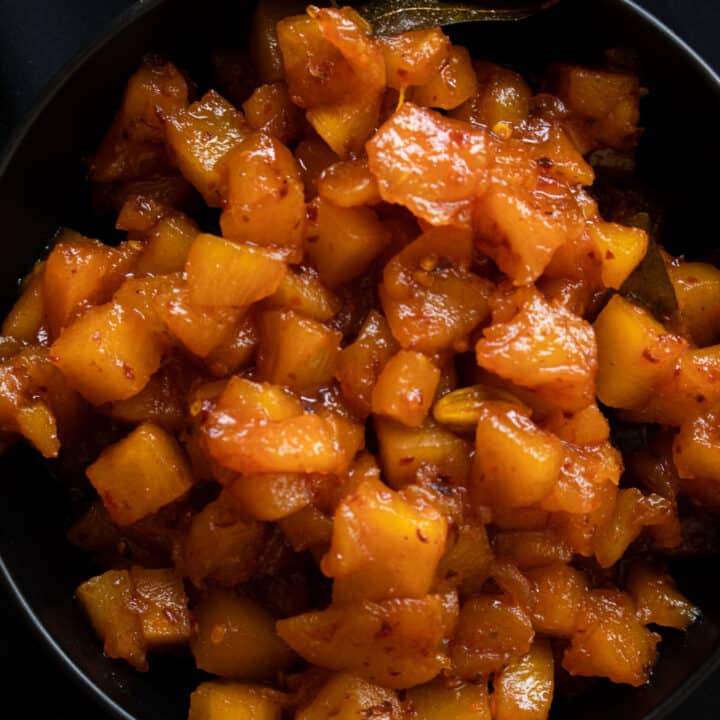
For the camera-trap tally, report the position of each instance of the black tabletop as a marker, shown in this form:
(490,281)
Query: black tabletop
(36,38)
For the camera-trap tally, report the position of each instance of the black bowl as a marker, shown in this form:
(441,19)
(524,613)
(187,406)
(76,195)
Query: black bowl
(42,186)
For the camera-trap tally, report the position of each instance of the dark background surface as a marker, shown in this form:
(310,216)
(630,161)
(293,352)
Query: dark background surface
(36,38)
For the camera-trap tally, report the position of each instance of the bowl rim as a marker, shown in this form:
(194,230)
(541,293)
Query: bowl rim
(48,644)
(120,22)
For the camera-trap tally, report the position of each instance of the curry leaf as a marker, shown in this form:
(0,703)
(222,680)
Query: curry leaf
(395,16)
(650,284)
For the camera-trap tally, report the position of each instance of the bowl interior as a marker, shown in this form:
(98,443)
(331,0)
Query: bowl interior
(43,188)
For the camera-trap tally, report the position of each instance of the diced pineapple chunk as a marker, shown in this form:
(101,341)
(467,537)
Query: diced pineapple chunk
(232,701)
(265,198)
(395,643)
(348,697)
(162,603)
(108,354)
(27,319)
(491,632)
(107,599)
(222,545)
(406,452)
(140,474)
(516,463)
(235,638)
(342,242)
(248,274)
(620,249)
(524,689)
(200,136)
(80,273)
(167,246)
(201,329)
(295,351)
(610,641)
(443,699)
(453,84)
(383,547)
(406,387)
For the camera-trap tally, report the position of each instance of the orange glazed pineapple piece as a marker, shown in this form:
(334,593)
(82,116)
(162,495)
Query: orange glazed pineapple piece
(270,110)
(557,594)
(696,447)
(546,348)
(248,274)
(448,698)
(343,241)
(235,638)
(26,321)
(588,475)
(395,643)
(271,496)
(140,474)
(258,428)
(634,352)
(697,287)
(516,463)
(605,105)
(342,101)
(164,615)
(304,293)
(166,245)
(108,354)
(382,547)
(407,453)
(265,198)
(80,273)
(295,351)
(201,329)
(222,545)
(348,183)
(346,696)
(688,386)
(412,58)
(523,690)
(633,511)
(502,96)
(657,600)
(200,136)
(454,83)
(405,388)
(233,701)
(37,402)
(133,146)
(157,89)
(507,217)
(610,641)
(437,186)
(108,602)
(162,401)
(431,299)
(359,364)
(620,249)
(491,632)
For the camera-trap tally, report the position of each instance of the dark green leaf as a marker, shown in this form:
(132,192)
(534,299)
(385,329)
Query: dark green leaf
(650,285)
(395,16)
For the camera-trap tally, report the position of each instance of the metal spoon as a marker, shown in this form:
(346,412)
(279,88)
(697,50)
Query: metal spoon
(395,16)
